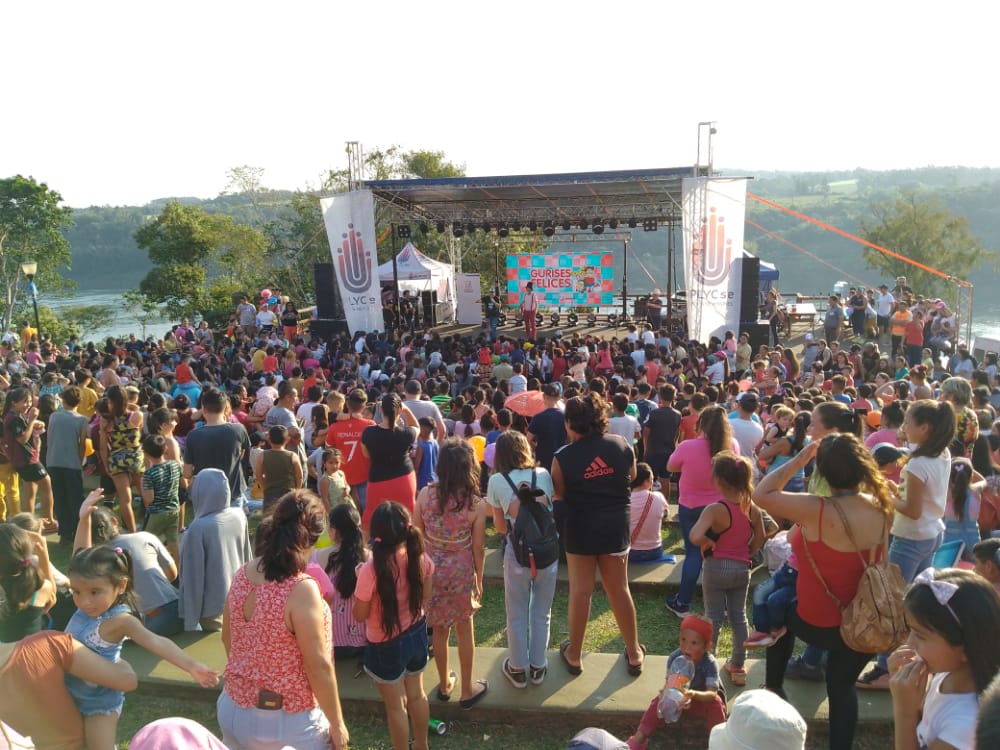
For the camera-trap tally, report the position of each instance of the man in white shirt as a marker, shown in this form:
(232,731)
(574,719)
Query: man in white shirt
(422,408)
(746,430)
(884,304)
(529,312)
(648,337)
(621,423)
(518,382)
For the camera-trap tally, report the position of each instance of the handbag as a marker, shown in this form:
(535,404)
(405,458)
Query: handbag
(873,621)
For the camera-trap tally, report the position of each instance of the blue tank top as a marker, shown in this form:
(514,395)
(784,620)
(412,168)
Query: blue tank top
(93,699)
(427,471)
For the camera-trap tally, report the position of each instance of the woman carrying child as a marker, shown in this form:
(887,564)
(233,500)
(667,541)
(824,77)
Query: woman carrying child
(833,528)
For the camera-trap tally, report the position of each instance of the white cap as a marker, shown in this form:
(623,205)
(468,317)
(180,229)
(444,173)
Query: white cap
(760,720)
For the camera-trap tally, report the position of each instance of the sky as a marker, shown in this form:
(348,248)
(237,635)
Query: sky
(118,103)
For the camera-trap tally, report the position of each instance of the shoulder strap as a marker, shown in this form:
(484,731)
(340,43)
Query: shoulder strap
(819,576)
(642,518)
(534,479)
(506,476)
(850,536)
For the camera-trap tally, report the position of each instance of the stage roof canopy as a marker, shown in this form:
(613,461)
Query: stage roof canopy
(630,194)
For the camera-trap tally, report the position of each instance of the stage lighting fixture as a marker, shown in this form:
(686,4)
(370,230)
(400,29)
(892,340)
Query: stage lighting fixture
(516,226)
(470,228)
(583,223)
(566,225)
(631,223)
(649,225)
(549,230)
(456,229)
(403,231)
(613,223)
(423,227)
(502,230)
(598,227)
(440,227)
(486,227)
(533,226)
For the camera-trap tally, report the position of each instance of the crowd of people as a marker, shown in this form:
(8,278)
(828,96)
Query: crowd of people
(373,466)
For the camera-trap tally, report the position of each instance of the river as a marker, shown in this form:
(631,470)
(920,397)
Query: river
(121,321)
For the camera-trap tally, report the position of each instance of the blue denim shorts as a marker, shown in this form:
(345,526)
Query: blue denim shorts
(388,662)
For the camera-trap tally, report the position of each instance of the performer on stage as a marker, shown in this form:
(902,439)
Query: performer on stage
(529,311)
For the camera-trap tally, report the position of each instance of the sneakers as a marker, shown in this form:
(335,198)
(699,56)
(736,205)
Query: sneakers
(760,639)
(537,674)
(517,679)
(875,678)
(799,670)
(737,675)
(675,606)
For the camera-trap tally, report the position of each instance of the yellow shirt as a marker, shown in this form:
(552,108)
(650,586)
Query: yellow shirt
(88,400)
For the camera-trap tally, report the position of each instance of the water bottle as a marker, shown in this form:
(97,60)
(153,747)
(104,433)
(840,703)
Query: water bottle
(679,675)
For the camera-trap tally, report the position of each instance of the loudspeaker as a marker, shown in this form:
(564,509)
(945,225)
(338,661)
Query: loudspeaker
(328,329)
(750,289)
(327,296)
(759,333)
(428,305)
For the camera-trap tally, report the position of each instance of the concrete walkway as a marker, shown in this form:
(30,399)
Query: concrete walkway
(604,695)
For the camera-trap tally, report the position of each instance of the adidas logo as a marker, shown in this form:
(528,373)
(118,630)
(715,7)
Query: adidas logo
(597,468)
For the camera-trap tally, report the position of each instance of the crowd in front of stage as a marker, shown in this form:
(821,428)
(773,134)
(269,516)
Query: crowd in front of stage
(371,467)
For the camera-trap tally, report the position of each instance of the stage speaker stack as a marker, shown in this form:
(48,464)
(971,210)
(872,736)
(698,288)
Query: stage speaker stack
(750,290)
(428,304)
(750,305)
(327,321)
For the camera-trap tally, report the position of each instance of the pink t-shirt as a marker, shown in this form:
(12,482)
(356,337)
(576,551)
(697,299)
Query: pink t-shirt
(648,536)
(365,592)
(693,460)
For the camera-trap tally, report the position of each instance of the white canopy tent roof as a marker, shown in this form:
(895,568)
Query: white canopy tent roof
(418,273)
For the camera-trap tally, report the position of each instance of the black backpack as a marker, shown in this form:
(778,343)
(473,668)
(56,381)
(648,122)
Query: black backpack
(533,535)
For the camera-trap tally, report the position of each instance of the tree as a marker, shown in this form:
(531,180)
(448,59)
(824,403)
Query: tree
(31,226)
(923,230)
(200,260)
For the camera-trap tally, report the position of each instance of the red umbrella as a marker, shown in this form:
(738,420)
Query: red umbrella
(526,403)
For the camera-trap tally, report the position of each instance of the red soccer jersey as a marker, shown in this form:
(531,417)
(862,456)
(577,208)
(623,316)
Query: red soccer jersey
(346,436)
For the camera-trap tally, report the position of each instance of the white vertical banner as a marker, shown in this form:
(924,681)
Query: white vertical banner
(714,211)
(470,299)
(350,227)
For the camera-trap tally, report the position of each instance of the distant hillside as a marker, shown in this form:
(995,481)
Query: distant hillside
(105,255)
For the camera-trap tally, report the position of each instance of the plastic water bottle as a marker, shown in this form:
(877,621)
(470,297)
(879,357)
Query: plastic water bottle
(678,678)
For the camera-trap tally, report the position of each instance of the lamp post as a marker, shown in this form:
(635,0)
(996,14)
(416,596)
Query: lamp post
(30,268)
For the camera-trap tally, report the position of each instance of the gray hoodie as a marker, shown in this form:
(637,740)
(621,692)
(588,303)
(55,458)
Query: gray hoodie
(213,548)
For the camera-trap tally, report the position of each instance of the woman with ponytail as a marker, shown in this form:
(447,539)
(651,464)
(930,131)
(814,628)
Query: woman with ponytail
(394,587)
(851,516)
(387,445)
(280,685)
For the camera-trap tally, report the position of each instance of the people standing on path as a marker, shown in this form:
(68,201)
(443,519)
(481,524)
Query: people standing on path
(529,311)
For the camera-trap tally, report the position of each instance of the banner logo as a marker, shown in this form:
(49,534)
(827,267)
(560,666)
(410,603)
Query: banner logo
(711,251)
(354,262)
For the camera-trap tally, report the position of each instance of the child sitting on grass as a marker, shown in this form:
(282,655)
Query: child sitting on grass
(703,695)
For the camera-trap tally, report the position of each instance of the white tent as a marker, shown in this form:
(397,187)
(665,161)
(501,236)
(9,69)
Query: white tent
(418,273)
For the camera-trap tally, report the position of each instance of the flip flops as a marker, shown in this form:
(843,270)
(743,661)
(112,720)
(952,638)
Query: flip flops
(574,669)
(443,696)
(470,702)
